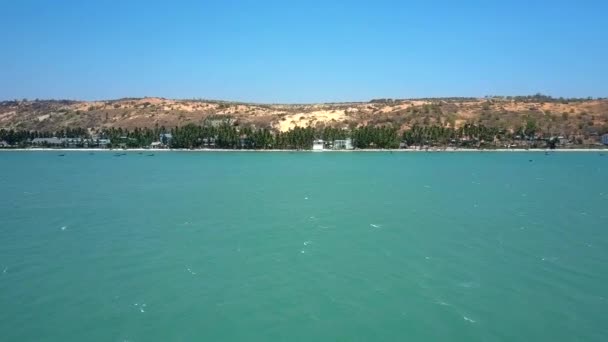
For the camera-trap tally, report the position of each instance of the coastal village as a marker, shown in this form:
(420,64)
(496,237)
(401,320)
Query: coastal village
(529,122)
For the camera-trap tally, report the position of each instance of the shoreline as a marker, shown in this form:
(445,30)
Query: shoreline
(305,151)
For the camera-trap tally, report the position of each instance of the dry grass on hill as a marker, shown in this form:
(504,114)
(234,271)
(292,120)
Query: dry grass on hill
(576,117)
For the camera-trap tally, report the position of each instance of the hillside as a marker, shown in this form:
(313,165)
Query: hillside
(576,117)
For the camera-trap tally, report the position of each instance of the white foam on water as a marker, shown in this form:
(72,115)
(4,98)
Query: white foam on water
(305,198)
(64,228)
(306,243)
(468,284)
(468,319)
(302,251)
(5,270)
(375,225)
(142,310)
(427,258)
(191,272)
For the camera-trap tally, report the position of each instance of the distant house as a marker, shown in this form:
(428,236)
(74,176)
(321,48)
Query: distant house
(318,145)
(156,144)
(209,142)
(605,139)
(346,144)
(244,142)
(48,141)
(166,138)
(103,142)
(73,142)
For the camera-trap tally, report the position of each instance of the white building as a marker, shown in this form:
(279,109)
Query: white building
(317,145)
(346,144)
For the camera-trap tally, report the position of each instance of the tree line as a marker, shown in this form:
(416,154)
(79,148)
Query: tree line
(230,136)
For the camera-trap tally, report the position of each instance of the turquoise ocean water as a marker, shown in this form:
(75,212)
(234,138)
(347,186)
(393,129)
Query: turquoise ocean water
(303,247)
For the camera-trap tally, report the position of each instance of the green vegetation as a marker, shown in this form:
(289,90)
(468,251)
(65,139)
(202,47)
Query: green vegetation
(230,136)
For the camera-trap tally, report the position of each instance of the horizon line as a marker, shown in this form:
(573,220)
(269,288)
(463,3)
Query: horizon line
(387,99)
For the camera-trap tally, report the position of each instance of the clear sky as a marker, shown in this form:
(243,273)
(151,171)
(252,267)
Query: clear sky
(302,51)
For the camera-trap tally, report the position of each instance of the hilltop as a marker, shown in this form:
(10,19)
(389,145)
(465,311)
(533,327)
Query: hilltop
(568,117)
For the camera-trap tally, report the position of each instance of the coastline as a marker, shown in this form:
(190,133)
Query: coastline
(304,151)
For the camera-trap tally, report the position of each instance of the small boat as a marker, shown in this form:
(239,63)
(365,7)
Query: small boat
(150,155)
(61,155)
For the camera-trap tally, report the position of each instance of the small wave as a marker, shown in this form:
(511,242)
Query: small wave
(469,319)
(64,228)
(442,303)
(191,272)
(468,285)
(302,251)
(375,225)
(306,243)
(549,259)
(5,270)
(305,198)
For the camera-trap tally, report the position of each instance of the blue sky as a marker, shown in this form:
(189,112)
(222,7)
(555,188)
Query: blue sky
(302,51)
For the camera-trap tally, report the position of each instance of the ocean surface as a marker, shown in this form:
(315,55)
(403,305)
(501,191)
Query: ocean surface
(303,246)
